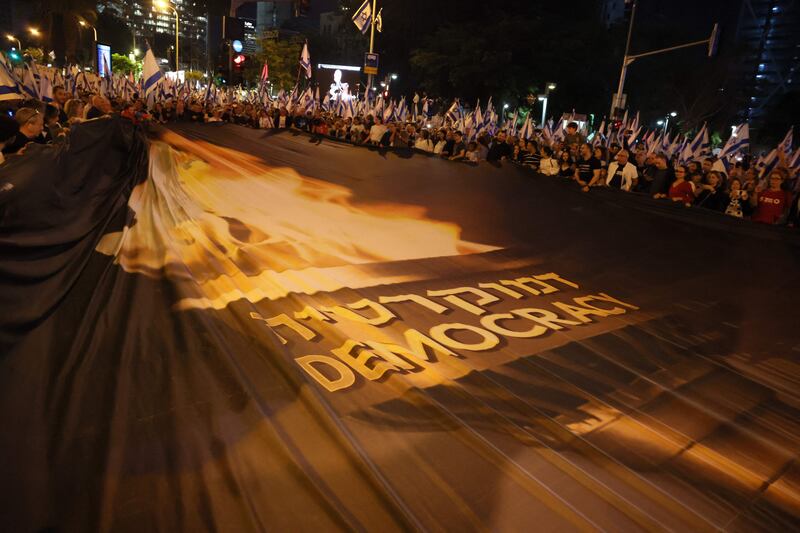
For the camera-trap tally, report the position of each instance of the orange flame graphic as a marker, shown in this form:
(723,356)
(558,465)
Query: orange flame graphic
(236,228)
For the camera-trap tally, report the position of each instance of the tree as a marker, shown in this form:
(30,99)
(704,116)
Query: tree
(60,18)
(506,50)
(282,56)
(124,64)
(37,54)
(193,75)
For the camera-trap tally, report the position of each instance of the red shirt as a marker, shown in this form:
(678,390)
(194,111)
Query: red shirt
(771,206)
(684,191)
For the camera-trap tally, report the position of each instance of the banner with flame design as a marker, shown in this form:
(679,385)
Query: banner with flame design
(215,328)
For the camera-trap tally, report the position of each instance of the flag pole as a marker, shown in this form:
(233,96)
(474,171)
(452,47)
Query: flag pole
(371,43)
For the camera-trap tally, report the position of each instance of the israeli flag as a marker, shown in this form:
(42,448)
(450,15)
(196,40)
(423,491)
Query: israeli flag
(29,83)
(738,142)
(46,89)
(9,90)
(786,144)
(362,18)
(151,74)
(794,162)
(305,60)
(527,128)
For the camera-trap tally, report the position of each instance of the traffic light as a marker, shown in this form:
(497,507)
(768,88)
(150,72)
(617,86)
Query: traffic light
(239,60)
(14,56)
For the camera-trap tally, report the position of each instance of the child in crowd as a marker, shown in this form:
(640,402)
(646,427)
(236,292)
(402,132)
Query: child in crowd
(737,198)
(547,165)
(472,152)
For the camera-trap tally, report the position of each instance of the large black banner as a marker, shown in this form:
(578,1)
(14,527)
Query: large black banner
(221,329)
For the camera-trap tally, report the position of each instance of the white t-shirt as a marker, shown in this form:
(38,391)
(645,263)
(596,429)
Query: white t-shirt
(424,144)
(376,132)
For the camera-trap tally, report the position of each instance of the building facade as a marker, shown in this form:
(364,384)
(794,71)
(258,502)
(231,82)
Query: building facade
(769,70)
(157,27)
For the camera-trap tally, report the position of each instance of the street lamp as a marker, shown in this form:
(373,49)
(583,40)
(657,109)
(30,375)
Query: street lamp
(544,97)
(163,4)
(35,32)
(84,24)
(12,39)
(665,122)
(394,76)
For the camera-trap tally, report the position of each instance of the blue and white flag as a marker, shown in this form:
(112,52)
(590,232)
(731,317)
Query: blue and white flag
(45,89)
(794,161)
(635,132)
(402,110)
(9,90)
(739,141)
(477,118)
(695,149)
(786,143)
(388,111)
(151,74)
(527,128)
(454,113)
(362,18)
(765,164)
(305,60)
(29,84)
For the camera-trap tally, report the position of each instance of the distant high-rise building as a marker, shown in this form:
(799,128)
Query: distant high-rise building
(331,22)
(771,31)
(147,22)
(273,14)
(613,11)
(247,13)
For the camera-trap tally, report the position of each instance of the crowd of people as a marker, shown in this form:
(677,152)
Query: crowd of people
(737,190)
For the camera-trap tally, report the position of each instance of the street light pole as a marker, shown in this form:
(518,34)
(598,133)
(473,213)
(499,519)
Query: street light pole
(617,100)
(12,38)
(83,24)
(550,87)
(630,58)
(163,4)
(371,42)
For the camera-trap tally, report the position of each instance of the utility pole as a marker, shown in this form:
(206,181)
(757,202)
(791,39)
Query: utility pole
(629,58)
(371,42)
(616,102)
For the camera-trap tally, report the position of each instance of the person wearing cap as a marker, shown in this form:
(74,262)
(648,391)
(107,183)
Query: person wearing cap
(8,130)
(31,124)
